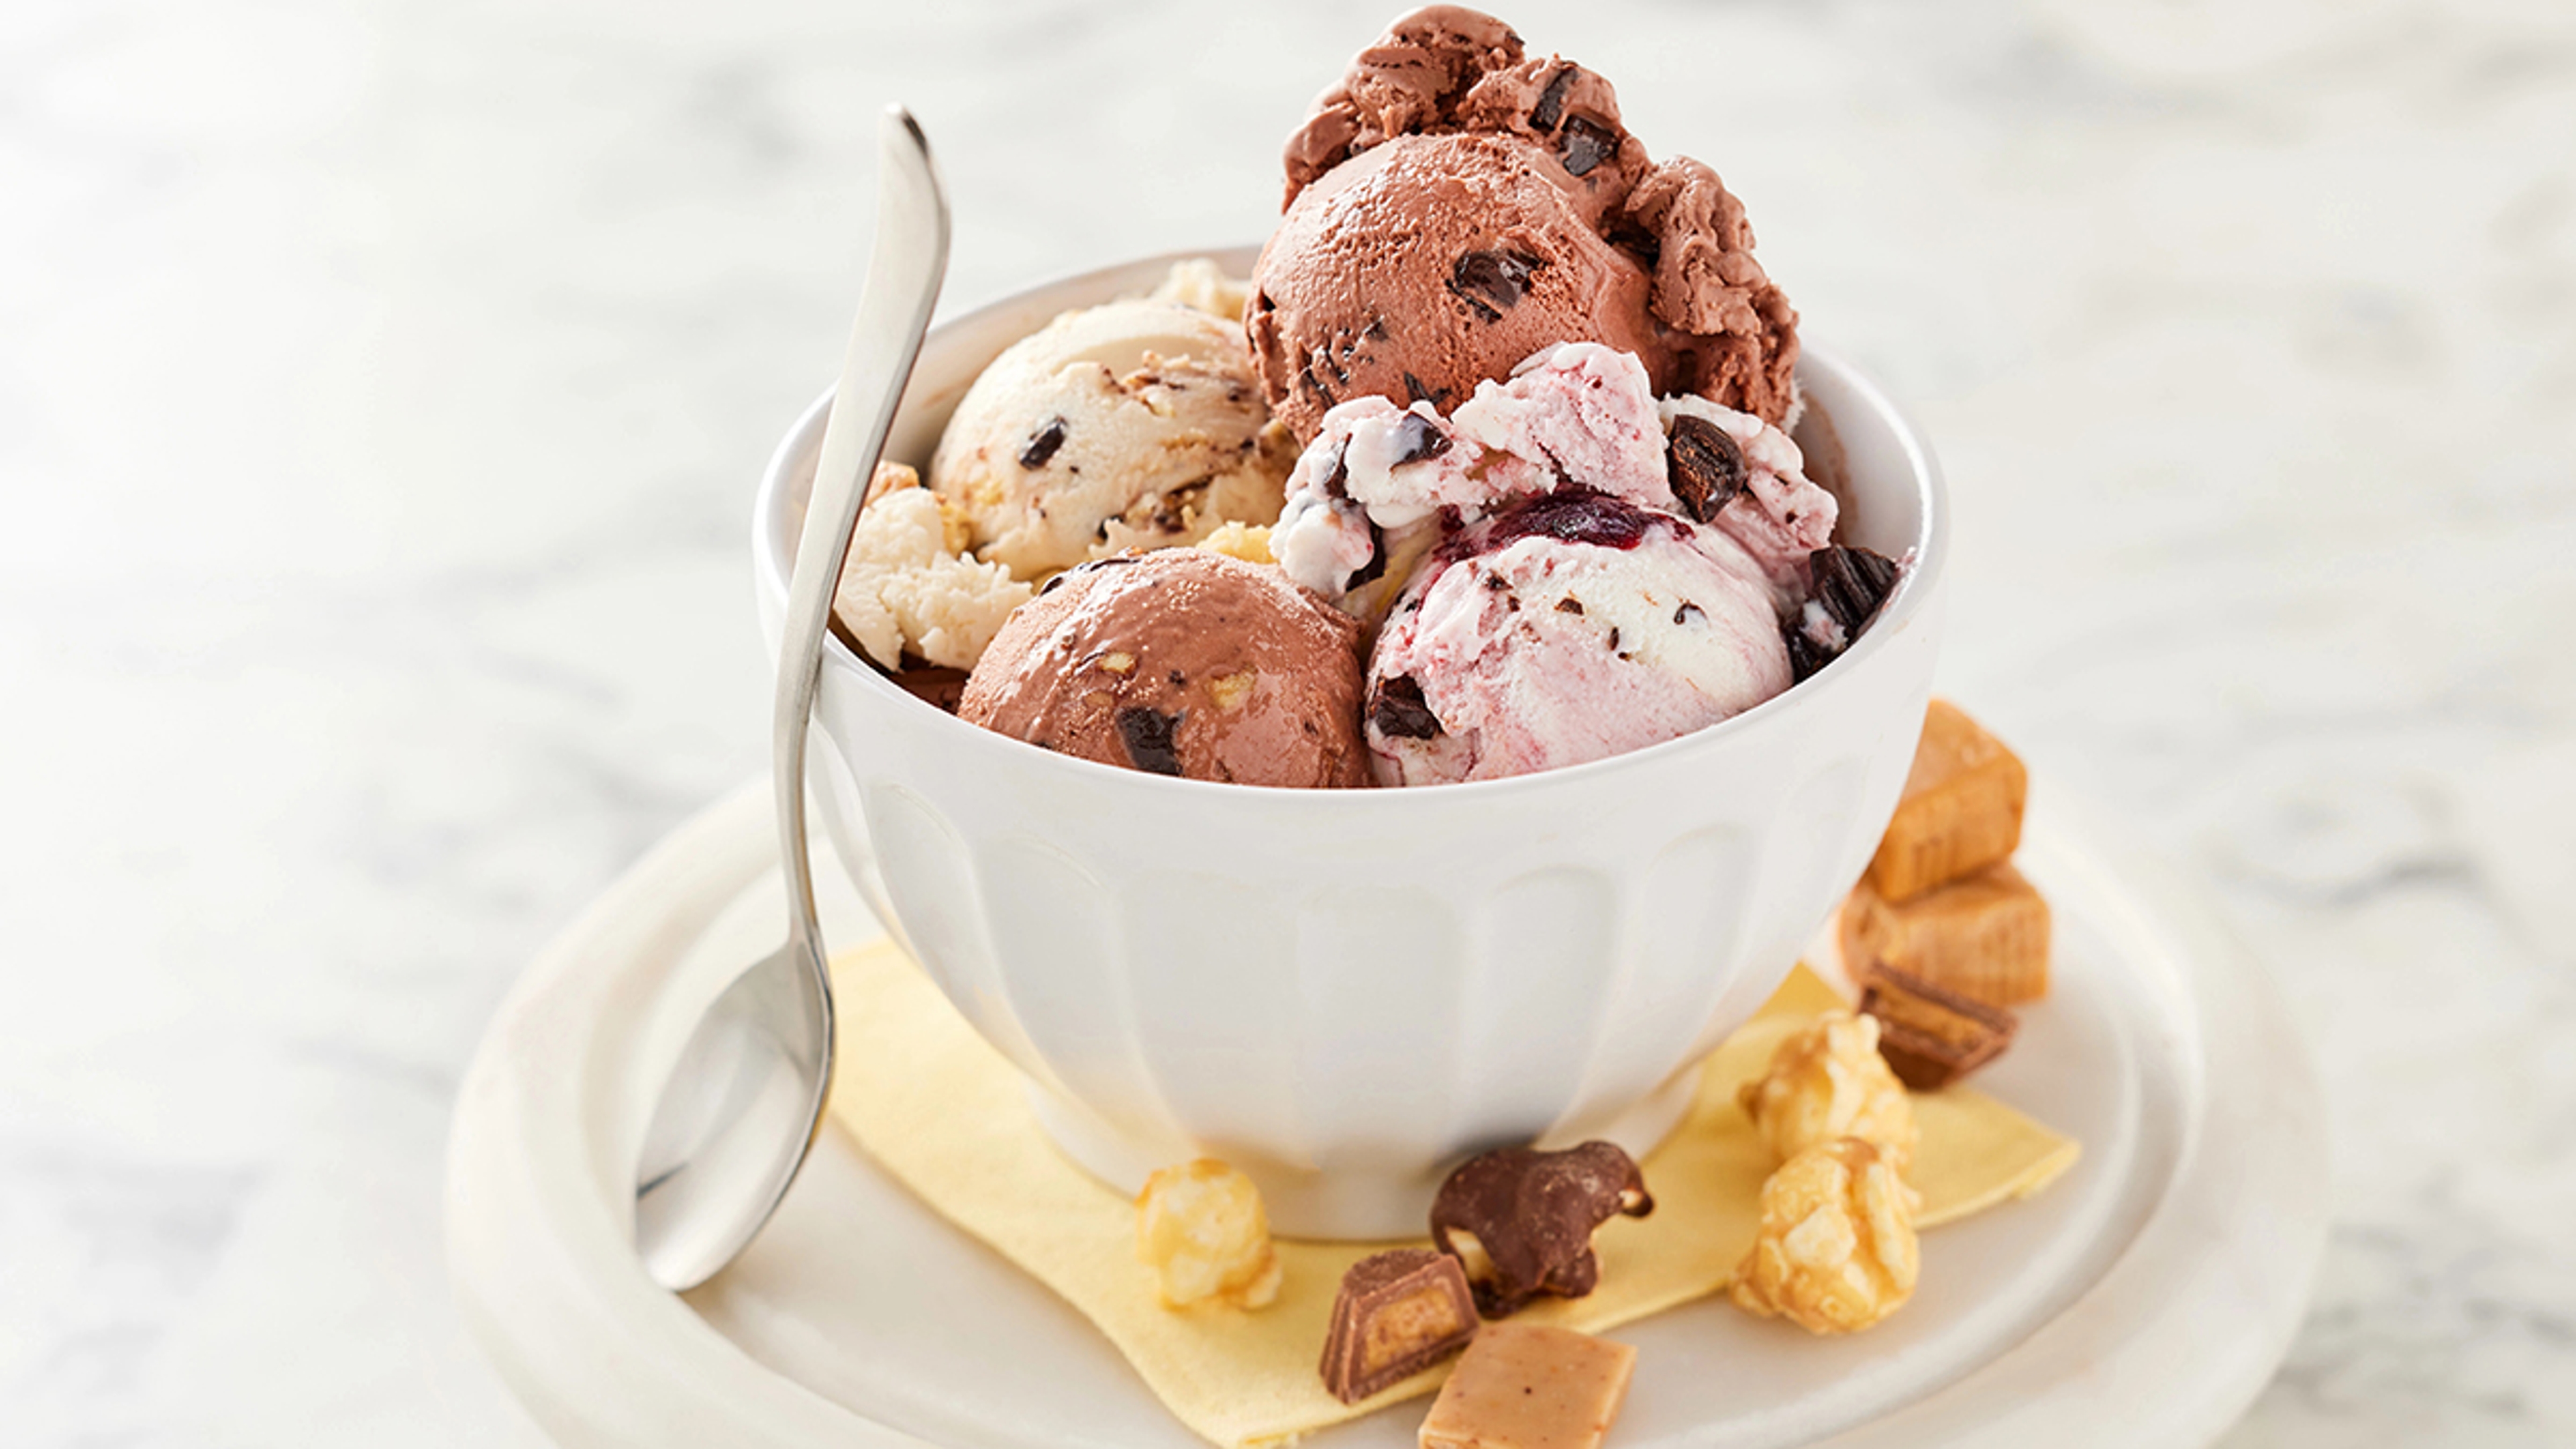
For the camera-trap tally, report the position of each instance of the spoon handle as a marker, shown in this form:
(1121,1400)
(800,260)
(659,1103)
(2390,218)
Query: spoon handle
(904,273)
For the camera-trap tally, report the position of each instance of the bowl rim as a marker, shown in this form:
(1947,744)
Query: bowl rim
(772,557)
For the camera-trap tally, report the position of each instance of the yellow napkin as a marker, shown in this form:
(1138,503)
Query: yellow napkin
(944,1113)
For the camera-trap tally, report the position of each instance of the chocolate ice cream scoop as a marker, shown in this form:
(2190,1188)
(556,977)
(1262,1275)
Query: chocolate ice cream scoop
(1180,662)
(1455,205)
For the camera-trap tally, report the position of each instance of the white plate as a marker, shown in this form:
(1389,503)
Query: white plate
(2143,1299)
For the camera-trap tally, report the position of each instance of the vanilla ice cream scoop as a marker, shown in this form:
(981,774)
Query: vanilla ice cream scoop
(1134,424)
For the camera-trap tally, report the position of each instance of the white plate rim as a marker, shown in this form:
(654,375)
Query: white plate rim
(2167,1348)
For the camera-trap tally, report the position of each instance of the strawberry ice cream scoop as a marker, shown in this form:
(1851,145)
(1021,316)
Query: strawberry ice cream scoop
(1567,628)
(1576,415)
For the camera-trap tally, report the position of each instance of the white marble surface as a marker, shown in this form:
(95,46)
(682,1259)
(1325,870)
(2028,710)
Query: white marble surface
(382,383)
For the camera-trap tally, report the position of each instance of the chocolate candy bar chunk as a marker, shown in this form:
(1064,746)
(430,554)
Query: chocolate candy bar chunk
(1932,1037)
(1985,936)
(1961,810)
(1528,1386)
(1398,1313)
(1520,1221)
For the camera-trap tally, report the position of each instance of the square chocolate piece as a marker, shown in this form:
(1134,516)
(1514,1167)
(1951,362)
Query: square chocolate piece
(1929,1036)
(1398,1313)
(1530,1386)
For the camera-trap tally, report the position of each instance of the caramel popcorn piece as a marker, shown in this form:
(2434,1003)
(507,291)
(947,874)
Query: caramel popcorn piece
(1931,1037)
(1961,810)
(1837,1251)
(1527,1386)
(1398,1313)
(1521,1221)
(1985,937)
(1829,1081)
(1201,1228)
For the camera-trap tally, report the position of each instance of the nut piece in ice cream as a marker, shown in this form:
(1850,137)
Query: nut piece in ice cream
(1455,204)
(1531,1386)
(1827,1081)
(1183,662)
(1960,812)
(1127,425)
(1201,1228)
(1836,1251)
(909,590)
(1398,1313)
(1521,1221)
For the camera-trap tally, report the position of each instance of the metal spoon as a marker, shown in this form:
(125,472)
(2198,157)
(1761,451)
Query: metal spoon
(740,1111)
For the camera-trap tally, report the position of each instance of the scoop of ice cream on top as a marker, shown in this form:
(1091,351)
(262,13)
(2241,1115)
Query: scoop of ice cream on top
(1579,414)
(1568,627)
(1454,205)
(1180,662)
(1133,424)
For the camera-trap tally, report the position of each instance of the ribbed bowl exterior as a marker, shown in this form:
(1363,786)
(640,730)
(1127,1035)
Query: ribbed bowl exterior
(1346,992)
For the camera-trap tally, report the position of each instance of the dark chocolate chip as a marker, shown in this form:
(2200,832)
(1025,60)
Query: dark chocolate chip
(1705,466)
(1400,712)
(1851,583)
(1337,483)
(1687,611)
(1147,733)
(1306,375)
(1551,101)
(1569,605)
(1369,572)
(1806,656)
(1416,391)
(1614,641)
(1584,144)
(1492,282)
(1416,439)
(1631,236)
(1497,581)
(1043,443)
(1177,678)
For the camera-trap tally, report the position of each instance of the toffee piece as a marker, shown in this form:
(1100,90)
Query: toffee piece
(1531,1386)
(1931,1037)
(1520,1221)
(1398,1313)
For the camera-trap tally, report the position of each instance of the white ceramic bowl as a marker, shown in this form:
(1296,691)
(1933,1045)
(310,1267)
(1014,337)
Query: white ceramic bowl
(1346,992)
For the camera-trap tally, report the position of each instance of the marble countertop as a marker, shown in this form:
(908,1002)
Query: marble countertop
(382,386)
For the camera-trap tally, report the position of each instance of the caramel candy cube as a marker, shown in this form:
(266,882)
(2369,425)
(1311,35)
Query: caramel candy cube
(1961,810)
(1530,1386)
(1985,937)
(1398,1313)
(1931,1037)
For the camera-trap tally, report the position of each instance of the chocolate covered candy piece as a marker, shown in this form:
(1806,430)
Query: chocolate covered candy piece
(1932,1037)
(1520,1221)
(1398,1313)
